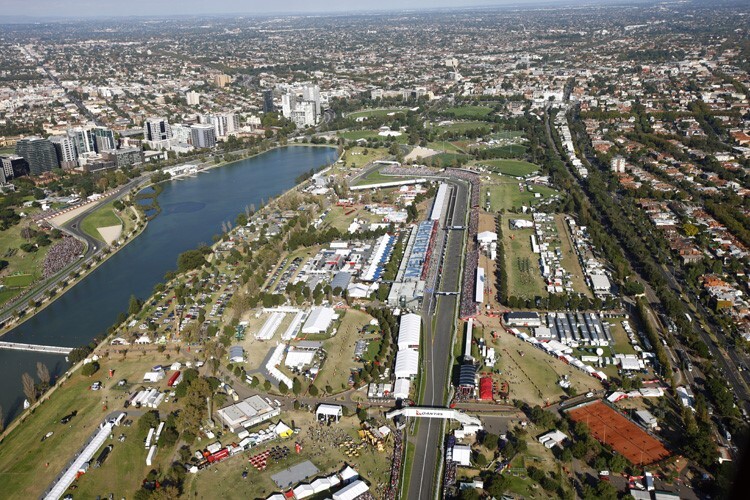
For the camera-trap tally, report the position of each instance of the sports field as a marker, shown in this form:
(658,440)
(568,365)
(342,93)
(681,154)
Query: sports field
(101,217)
(625,437)
(366,113)
(516,168)
(475,112)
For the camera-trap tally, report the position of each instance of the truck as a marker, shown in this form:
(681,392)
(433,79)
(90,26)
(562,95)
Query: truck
(218,456)
(102,456)
(175,379)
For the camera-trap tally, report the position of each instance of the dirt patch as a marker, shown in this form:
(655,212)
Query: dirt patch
(110,234)
(419,152)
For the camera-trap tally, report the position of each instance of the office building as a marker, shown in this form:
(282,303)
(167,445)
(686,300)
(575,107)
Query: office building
(222,80)
(193,98)
(39,153)
(103,139)
(203,135)
(66,151)
(157,133)
(268,101)
(304,112)
(125,157)
(83,141)
(224,124)
(12,166)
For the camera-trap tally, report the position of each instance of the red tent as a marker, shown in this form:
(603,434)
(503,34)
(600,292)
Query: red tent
(485,389)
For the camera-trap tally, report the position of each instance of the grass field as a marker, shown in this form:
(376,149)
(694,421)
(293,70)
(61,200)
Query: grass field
(354,135)
(375,112)
(533,375)
(622,342)
(18,281)
(468,112)
(507,134)
(463,126)
(358,157)
(23,456)
(340,351)
(224,480)
(375,177)
(508,151)
(570,259)
(515,168)
(445,159)
(505,194)
(524,278)
(444,146)
(23,268)
(101,217)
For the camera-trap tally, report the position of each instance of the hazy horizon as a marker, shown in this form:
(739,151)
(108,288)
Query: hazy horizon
(140,8)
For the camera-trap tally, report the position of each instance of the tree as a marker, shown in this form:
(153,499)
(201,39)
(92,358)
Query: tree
(134,306)
(89,369)
(29,389)
(283,389)
(296,386)
(42,374)
(313,391)
(194,409)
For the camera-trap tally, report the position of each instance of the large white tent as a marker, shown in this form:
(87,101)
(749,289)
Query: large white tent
(408,331)
(407,363)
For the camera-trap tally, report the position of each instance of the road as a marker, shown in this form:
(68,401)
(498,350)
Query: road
(436,355)
(93,247)
(726,361)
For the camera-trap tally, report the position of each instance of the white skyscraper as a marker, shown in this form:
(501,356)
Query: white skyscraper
(304,112)
(193,98)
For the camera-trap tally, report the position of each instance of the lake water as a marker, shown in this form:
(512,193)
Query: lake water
(192,211)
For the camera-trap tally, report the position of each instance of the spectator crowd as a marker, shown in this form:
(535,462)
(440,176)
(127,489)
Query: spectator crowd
(60,255)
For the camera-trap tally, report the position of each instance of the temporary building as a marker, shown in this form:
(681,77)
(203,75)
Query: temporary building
(408,331)
(282,430)
(327,410)
(485,389)
(351,491)
(407,363)
(303,491)
(236,354)
(319,320)
(401,388)
(462,455)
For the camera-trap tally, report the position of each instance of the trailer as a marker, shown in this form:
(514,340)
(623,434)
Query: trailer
(218,456)
(150,457)
(102,456)
(158,432)
(149,437)
(175,379)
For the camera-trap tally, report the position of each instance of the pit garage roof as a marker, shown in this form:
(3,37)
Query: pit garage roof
(407,363)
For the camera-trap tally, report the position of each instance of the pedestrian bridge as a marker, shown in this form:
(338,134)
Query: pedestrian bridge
(16,346)
(427,412)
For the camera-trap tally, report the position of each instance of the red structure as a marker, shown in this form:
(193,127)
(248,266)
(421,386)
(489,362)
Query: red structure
(485,389)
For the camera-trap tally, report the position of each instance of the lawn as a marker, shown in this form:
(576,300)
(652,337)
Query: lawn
(358,157)
(340,351)
(101,217)
(444,146)
(468,112)
(505,193)
(622,342)
(23,456)
(445,159)
(463,126)
(532,374)
(375,112)
(515,168)
(524,277)
(224,480)
(18,280)
(507,151)
(570,260)
(371,135)
(375,177)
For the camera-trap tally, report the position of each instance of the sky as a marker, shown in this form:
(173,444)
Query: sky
(100,8)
